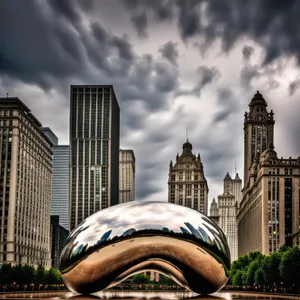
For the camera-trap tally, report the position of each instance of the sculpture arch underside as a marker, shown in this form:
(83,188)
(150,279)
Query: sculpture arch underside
(118,242)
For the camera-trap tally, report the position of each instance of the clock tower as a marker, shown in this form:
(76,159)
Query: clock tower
(258,132)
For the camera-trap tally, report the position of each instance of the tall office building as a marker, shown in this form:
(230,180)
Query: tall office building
(228,204)
(214,210)
(94,150)
(25,186)
(126,176)
(60,184)
(60,178)
(269,212)
(187,184)
(258,132)
(58,236)
(50,135)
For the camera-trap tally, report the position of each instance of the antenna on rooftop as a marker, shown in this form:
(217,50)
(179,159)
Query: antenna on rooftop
(235,167)
(186,134)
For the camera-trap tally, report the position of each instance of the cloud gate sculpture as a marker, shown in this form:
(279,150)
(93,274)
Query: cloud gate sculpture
(120,241)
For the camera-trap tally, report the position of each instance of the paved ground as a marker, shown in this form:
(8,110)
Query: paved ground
(136,295)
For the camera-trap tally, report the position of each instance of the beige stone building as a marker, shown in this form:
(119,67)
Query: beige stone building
(187,184)
(225,211)
(126,176)
(269,212)
(25,186)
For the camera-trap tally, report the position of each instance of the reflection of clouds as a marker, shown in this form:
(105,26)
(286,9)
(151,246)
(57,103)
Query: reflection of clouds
(141,215)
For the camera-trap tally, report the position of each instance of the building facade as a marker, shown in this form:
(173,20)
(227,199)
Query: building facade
(50,135)
(58,235)
(214,210)
(126,176)
(269,212)
(187,184)
(60,178)
(224,212)
(94,151)
(25,186)
(60,183)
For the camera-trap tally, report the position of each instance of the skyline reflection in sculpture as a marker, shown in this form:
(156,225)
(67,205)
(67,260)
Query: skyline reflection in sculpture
(126,239)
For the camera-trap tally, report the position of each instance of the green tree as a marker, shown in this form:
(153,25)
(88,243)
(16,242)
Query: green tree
(255,256)
(166,280)
(53,276)
(290,266)
(253,267)
(259,277)
(237,279)
(270,268)
(17,274)
(6,274)
(28,274)
(140,279)
(40,275)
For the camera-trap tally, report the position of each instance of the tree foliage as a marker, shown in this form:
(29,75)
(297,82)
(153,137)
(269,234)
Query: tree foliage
(140,279)
(25,275)
(278,268)
(290,266)
(237,279)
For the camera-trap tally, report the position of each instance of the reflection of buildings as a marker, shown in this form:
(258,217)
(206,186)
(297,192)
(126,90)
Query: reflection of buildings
(154,276)
(128,232)
(187,184)
(105,236)
(25,186)
(126,176)
(58,237)
(94,150)
(60,179)
(269,212)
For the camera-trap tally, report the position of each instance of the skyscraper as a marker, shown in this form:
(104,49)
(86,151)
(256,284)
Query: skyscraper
(258,132)
(269,212)
(60,178)
(214,211)
(228,204)
(50,135)
(25,186)
(94,150)
(58,236)
(187,184)
(60,184)
(126,176)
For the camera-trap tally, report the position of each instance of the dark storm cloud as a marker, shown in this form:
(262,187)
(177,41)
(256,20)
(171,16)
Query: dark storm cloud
(247,52)
(140,21)
(227,105)
(170,52)
(161,10)
(86,5)
(205,76)
(34,47)
(248,73)
(293,86)
(273,24)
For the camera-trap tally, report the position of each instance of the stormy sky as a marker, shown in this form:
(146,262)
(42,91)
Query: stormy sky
(174,64)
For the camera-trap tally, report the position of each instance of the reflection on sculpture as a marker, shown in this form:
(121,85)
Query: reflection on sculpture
(120,241)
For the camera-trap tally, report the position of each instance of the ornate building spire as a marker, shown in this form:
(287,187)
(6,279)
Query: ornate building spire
(258,132)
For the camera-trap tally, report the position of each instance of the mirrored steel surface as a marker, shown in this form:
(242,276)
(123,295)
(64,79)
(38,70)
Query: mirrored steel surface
(120,241)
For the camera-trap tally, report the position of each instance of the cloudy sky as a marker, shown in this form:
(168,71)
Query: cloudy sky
(174,64)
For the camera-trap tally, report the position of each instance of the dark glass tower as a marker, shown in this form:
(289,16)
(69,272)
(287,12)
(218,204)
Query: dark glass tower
(94,150)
